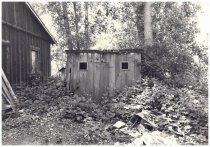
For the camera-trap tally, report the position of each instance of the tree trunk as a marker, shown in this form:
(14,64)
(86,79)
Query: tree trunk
(148,34)
(86,27)
(69,40)
(76,24)
(139,10)
(67,27)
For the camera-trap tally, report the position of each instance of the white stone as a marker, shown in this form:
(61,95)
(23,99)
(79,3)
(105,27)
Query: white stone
(119,124)
(195,101)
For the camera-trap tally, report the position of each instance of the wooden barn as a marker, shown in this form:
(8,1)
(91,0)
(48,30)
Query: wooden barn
(26,42)
(94,72)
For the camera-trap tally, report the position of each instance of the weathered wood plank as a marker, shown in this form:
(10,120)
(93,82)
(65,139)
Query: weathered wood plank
(49,61)
(45,63)
(21,28)
(42,57)
(72,71)
(96,77)
(117,72)
(3,12)
(14,13)
(8,92)
(104,72)
(27,57)
(23,57)
(91,72)
(20,56)
(112,77)
(14,65)
(17,46)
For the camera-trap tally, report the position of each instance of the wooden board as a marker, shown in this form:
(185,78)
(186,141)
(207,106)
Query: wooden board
(22,30)
(104,73)
(8,93)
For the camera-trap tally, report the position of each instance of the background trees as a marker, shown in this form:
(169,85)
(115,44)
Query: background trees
(169,27)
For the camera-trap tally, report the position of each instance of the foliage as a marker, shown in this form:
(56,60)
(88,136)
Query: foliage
(171,56)
(52,116)
(179,29)
(182,112)
(45,111)
(174,40)
(49,115)
(35,79)
(174,36)
(179,70)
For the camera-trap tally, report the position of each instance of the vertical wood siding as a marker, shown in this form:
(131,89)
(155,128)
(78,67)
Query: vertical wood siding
(104,73)
(23,31)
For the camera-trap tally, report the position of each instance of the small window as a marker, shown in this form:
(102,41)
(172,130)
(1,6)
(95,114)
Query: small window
(83,65)
(124,65)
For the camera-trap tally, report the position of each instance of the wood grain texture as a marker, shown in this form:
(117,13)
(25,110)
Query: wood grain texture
(104,73)
(8,92)
(21,28)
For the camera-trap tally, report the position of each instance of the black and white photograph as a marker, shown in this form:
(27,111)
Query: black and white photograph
(104,72)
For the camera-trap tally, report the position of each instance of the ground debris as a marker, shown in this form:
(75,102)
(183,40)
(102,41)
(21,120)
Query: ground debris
(119,124)
(154,114)
(155,138)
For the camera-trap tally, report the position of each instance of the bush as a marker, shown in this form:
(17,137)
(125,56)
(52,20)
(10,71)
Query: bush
(175,67)
(35,79)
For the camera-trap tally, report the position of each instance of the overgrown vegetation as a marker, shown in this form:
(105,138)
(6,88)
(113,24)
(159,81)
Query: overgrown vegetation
(175,95)
(49,116)
(176,70)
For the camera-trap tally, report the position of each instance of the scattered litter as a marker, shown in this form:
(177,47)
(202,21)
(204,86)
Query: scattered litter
(119,124)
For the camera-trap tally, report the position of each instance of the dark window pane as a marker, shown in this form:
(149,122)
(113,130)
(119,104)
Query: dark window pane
(83,65)
(124,65)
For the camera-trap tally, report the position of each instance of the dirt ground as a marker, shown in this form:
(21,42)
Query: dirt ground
(48,116)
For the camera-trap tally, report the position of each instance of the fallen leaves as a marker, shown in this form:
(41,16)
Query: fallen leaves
(50,115)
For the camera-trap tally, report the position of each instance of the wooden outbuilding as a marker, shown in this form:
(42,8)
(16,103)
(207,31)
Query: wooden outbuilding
(62,74)
(26,43)
(95,72)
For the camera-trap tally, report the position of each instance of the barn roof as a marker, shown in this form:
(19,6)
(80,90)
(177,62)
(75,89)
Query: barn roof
(41,23)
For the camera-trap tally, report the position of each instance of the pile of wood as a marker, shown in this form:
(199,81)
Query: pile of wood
(144,131)
(9,99)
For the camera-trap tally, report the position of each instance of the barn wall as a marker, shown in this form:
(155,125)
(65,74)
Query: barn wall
(104,73)
(19,15)
(23,33)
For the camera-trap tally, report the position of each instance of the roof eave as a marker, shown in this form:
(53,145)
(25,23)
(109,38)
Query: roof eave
(42,24)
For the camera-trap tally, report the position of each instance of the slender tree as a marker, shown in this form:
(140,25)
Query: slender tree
(76,25)
(87,44)
(67,27)
(139,20)
(148,35)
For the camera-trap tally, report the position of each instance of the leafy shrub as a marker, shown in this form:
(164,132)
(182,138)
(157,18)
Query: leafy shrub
(35,79)
(175,67)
